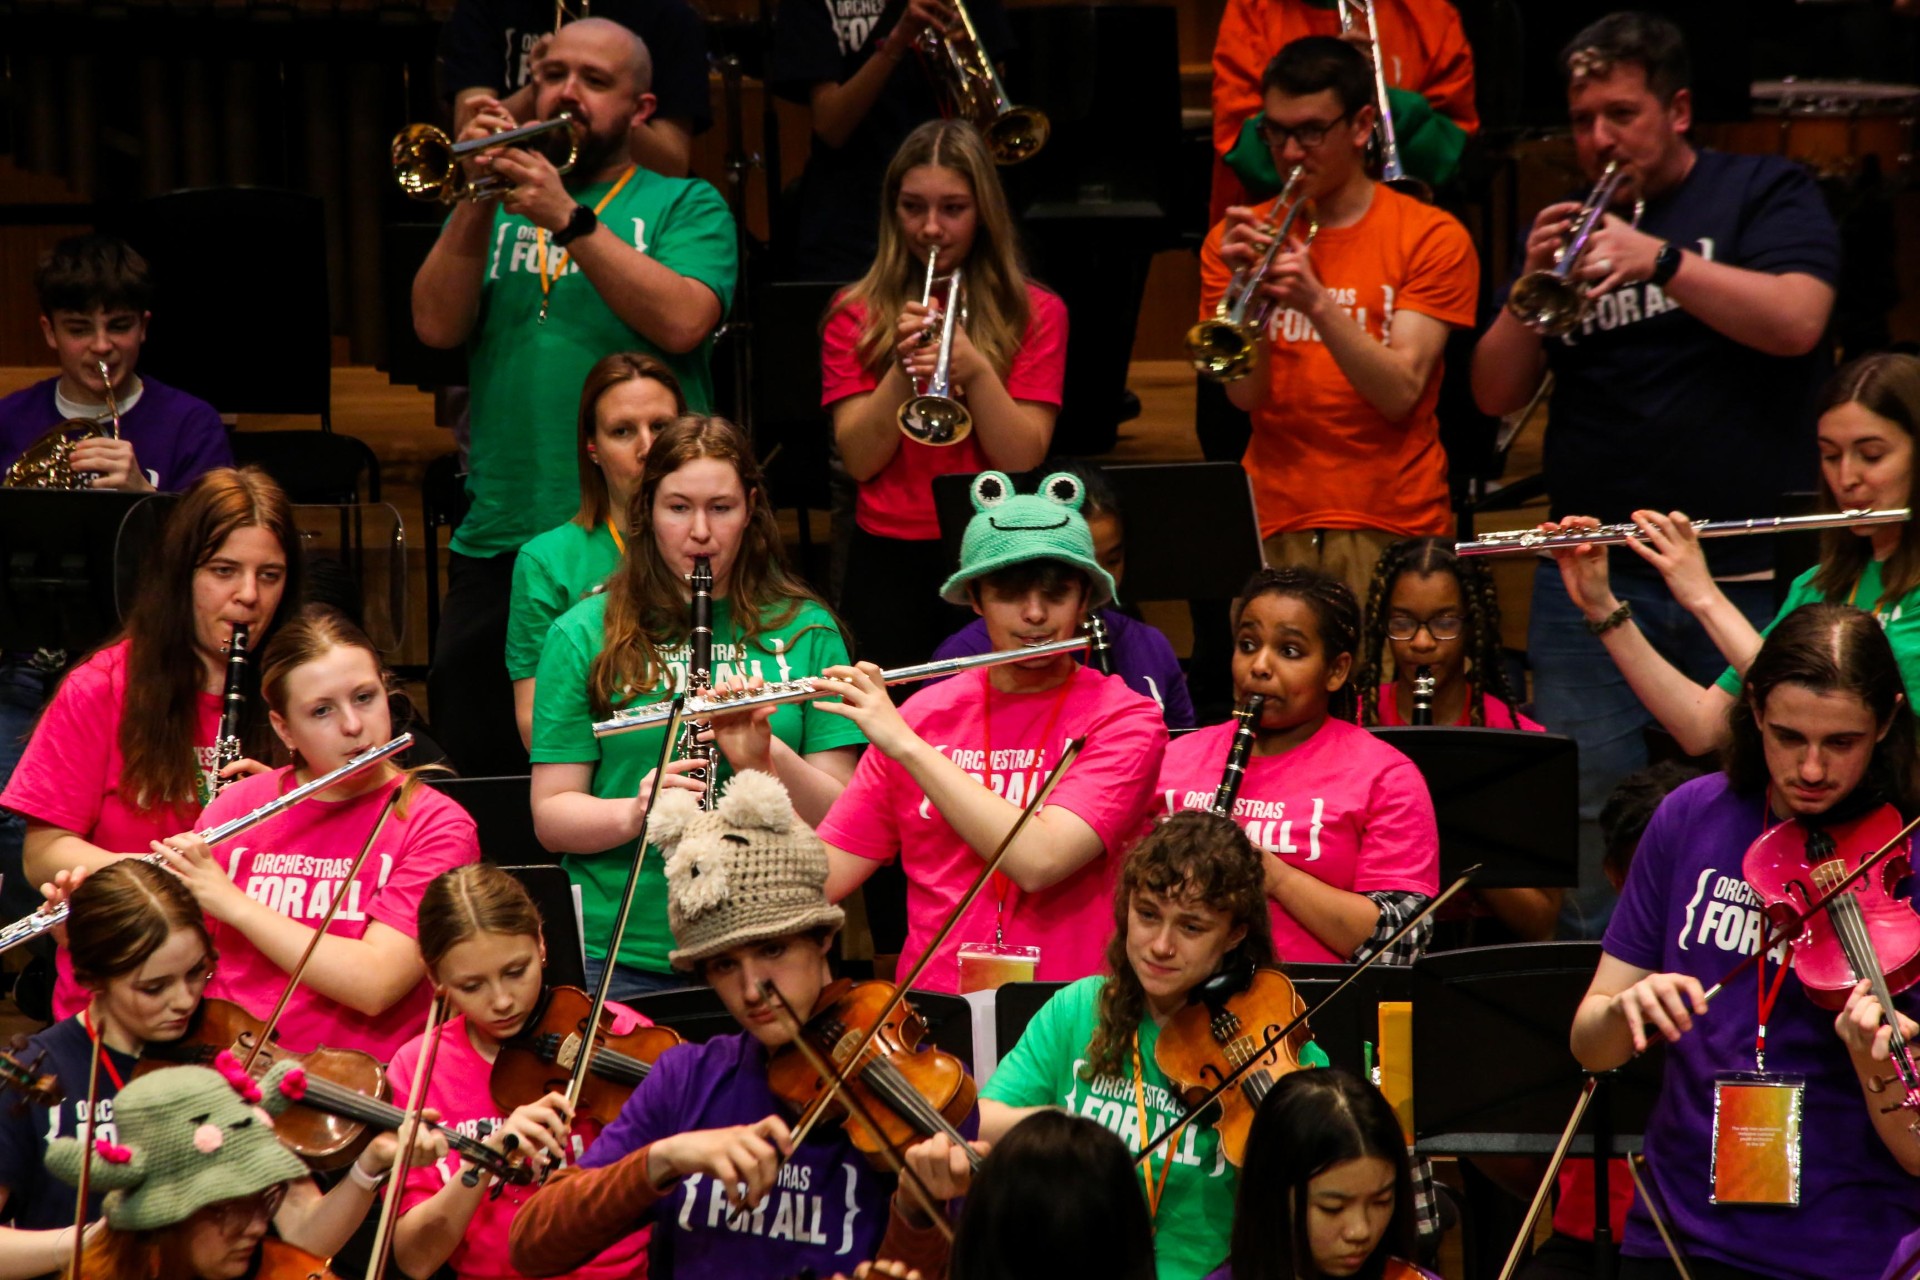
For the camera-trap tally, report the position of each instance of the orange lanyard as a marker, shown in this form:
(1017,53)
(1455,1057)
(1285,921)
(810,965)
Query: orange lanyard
(1001,883)
(560,262)
(619,543)
(1154,1188)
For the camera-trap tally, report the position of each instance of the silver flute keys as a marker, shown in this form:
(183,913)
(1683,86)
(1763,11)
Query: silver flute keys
(1494,544)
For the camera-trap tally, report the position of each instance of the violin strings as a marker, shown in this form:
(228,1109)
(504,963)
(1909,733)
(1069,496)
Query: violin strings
(1856,942)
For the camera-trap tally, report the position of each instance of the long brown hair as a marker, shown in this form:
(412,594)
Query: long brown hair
(1194,856)
(308,636)
(471,900)
(1887,386)
(122,914)
(646,610)
(161,706)
(607,373)
(998,310)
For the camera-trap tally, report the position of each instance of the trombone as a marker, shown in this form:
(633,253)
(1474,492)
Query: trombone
(933,416)
(1550,301)
(1221,348)
(1392,172)
(960,63)
(426,162)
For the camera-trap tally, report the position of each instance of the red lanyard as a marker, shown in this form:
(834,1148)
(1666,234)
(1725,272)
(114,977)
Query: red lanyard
(106,1055)
(1767,994)
(1001,883)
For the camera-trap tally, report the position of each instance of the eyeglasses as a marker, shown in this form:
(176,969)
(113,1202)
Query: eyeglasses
(1445,627)
(235,1216)
(1309,135)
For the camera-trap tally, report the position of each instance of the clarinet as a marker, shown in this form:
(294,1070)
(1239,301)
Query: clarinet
(1422,696)
(1246,727)
(700,678)
(233,708)
(1100,653)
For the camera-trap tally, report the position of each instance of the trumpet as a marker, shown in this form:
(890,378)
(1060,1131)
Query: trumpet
(959,62)
(1392,172)
(426,162)
(1221,348)
(933,416)
(47,463)
(807,689)
(1550,301)
(1495,544)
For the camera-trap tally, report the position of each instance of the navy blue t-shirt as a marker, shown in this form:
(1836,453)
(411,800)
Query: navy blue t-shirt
(1651,408)
(36,1200)
(176,438)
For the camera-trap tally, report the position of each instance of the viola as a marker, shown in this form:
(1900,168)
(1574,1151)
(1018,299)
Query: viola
(281,1261)
(910,1091)
(1225,1022)
(539,1059)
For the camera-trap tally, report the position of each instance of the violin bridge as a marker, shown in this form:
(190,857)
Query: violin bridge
(568,1053)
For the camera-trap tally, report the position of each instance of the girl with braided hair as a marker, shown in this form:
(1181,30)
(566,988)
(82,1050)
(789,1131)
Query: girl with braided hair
(1344,821)
(1437,611)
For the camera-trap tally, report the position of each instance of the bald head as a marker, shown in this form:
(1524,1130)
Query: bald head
(606,42)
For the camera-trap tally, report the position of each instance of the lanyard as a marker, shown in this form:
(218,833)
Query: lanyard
(1153,1187)
(1767,994)
(560,262)
(106,1055)
(1001,883)
(619,543)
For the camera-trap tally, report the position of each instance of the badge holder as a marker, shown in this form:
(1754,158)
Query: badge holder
(1756,1138)
(988,966)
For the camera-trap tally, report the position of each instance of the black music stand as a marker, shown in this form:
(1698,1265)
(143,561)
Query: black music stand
(1492,1073)
(1505,799)
(552,892)
(66,579)
(502,810)
(1191,529)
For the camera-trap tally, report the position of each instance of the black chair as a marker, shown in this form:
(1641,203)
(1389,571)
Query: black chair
(1014,1005)
(443,505)
(552,893)
(502,811)
(263,292)
(318,467)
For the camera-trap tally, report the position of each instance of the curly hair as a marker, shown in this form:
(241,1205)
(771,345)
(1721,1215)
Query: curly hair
(1487,672)
(1194,856)
(1334,608)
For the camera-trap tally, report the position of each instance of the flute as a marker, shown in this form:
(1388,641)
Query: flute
(1494,544)
(27,928)
(655,714)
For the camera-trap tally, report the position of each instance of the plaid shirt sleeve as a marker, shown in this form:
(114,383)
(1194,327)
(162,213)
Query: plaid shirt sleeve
(1396,908)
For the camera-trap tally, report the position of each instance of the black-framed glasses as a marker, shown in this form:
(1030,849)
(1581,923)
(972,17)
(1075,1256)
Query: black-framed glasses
(1308,135)
(1446,626)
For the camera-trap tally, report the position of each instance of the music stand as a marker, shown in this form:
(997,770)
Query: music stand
(1191,529)
(1506,799)
(65,582)
(502,810)
(1492,1072)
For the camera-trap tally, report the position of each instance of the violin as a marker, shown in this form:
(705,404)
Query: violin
(281,1261)
(1865,932)
(1226,1020)
(910,1091)
(539,1059)
(38,1087)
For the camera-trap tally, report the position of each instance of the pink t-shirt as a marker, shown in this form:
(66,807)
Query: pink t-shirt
(1499,714)
(460,1088)
(898,503)
(1342,806)
(883,814)
(292,862)
(69,776)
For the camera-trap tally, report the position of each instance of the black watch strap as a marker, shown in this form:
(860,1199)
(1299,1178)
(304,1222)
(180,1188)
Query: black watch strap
(1665,263)
(582,223)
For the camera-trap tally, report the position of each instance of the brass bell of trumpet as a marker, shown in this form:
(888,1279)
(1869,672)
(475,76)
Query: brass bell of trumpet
(47,463)
(1550,301)
(426,162)
(1221,347)
(959,62)
(933,416)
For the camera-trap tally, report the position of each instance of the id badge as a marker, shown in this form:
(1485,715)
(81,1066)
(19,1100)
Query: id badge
(986,966)
(1756,1138)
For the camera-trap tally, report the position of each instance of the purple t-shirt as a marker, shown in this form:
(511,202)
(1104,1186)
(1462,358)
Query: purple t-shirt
(177,438)
(827,1214)
(1687,908)
(1141,656)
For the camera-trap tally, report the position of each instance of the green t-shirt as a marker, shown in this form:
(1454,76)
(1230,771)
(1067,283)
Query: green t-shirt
(526,375)
(1900,619)
(563,734)
(1194,1226)
(551,574)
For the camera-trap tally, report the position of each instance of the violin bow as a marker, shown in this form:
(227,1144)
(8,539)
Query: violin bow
(1776,934)
(583,1061)
(1255,1058)
(850,1063)
(86,1145)
(402,1155)
(1525,1233)
(901,1170)
(1644,1188)
(313,943)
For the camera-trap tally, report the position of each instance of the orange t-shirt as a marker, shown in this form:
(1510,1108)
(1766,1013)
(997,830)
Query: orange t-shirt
(1321,457)
(1422,43)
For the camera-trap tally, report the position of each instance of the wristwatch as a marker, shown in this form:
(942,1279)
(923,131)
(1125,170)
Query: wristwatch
(1665,263)
(583,221)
